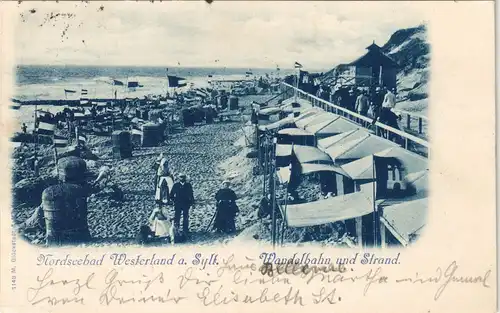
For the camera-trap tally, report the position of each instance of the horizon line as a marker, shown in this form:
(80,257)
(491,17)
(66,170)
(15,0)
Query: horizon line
(164,66)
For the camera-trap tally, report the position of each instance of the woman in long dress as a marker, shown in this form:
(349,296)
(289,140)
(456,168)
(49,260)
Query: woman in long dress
(164,182)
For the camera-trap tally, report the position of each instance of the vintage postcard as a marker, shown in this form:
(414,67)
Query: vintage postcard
(256,156)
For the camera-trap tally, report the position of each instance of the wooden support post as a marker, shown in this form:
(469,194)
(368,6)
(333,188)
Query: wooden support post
(56,160)
(340,184)
(408,121)
(359,230)
(77,131)
(419,125)
(383,243)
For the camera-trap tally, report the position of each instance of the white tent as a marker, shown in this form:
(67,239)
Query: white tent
(269,111)
(294,132)
(307,113)
(307,168)
(330,210)
(315,127)
(315,119)
(283,150)
(308,154)
(406,220)
(363,168)
(337,126)
(277,124)
(325,143)
(359,148)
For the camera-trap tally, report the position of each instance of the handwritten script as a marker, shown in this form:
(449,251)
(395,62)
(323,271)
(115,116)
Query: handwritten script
(230,283)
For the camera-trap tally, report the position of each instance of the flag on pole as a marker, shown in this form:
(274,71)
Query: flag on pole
(117,83)
(60,141)
(175,81)
(298,65)
(66,91)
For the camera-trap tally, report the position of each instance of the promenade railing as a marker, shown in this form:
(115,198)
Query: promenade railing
(407,140)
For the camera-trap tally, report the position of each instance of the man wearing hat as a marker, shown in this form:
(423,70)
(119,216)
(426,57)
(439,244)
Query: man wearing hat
(226,209)
(377,100)
(183,198)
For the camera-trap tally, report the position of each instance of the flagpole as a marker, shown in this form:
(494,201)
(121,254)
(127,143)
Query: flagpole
(273,190)
(34,128)
(55,155)
(297,84)
(375,240)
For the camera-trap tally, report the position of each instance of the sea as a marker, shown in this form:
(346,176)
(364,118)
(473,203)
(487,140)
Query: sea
(48,82)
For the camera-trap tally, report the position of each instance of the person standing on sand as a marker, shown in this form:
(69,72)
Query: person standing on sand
(226,209)
(183,198)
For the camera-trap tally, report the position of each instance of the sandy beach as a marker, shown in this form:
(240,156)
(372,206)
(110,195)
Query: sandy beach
(207,154)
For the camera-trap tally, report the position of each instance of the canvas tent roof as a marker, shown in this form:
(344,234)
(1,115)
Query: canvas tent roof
(315,127)
(406,219)
(363,168)
(330,210)
(307,154)
(289,109)
(294,132)
(359,148)
(307,113)
(315,119)
(283,150)
(313,168)
(338,126)
(270,111)
(325,143)
(277,124)
(302,102)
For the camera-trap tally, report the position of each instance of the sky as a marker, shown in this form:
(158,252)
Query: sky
(319,35)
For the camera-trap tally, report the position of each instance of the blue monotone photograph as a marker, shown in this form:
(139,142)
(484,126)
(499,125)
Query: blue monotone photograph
(158,126)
